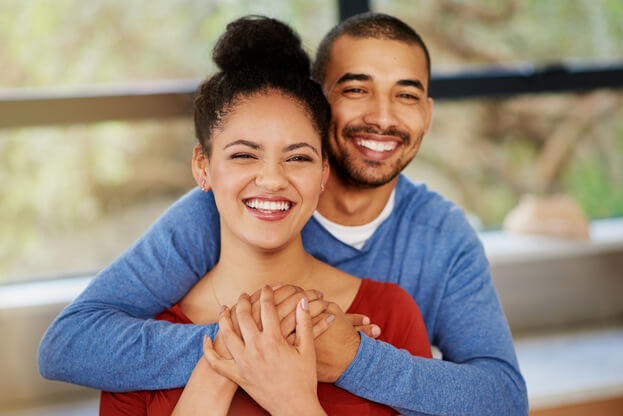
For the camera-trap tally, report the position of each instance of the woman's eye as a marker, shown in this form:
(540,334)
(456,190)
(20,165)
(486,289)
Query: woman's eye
(242,156)
(353,91)
(300,158)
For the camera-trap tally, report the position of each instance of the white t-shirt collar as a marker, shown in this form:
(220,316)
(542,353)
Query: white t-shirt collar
(357,235)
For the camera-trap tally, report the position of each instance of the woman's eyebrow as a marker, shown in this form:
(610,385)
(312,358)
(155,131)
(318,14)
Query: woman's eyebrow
(295,146)
(243,142)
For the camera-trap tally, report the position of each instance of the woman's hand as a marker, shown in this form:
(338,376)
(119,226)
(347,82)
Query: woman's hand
(279,376)
(286,298)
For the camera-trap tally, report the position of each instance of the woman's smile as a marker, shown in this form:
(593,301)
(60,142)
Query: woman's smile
(268,208)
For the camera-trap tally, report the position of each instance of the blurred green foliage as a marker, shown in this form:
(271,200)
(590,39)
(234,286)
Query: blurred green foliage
(74,197)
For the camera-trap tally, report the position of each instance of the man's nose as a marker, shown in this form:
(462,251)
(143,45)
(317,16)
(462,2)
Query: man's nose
(381,113)
(272,177)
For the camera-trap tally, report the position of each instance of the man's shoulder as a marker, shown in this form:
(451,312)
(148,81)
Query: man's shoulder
(417,203)
(195,207)
(191,221)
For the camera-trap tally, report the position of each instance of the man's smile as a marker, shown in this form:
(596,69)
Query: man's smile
(377,146)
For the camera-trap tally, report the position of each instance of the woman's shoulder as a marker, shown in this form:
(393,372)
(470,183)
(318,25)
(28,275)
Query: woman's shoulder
(388,292)
(174,315)
(338,286)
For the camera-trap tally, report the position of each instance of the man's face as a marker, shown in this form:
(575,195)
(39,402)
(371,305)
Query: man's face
(378,92)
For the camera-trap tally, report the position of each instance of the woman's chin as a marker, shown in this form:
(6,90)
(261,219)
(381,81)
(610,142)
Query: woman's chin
(268,242)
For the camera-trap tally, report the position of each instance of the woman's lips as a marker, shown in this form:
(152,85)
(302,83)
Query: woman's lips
(268,209)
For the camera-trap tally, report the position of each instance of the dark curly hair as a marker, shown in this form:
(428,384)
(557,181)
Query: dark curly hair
(255,55)
(366,25)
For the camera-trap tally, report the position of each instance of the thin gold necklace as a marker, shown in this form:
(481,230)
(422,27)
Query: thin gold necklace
(218,302)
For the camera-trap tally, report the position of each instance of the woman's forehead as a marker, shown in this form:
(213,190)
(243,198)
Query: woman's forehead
(270,117)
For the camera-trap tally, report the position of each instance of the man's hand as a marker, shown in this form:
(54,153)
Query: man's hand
(336,347)
(261,355)
(362,323)
(286,297)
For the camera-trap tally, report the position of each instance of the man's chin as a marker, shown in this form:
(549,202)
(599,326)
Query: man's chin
(363,174)
(364,180)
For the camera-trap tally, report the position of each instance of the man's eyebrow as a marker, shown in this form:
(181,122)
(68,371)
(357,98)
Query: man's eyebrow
(349,76)
(295,146)
(411,83)
(243,142)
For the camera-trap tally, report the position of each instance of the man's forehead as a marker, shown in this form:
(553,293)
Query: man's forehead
(376,57)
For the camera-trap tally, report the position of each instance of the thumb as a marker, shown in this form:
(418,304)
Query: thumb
(304,332)
(357,319)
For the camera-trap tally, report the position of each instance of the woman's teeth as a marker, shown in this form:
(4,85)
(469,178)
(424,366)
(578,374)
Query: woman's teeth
(377,146)
(262,205)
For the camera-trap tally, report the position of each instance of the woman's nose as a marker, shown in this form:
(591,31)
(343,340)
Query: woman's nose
(272,177)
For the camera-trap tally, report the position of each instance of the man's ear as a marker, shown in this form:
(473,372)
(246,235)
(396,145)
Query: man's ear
(429,115)
(200,167)
(326,170)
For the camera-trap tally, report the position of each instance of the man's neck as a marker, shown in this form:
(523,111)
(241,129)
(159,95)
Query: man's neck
(349,205)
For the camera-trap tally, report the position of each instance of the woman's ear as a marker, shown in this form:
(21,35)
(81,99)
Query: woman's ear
(200,168)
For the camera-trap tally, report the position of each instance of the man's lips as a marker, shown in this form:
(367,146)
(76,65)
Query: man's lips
(376,145)
(374,148)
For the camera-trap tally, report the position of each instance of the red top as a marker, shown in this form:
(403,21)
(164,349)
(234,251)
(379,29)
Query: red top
(387,305)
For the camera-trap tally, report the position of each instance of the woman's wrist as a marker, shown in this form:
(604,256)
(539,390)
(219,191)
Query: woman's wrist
(299,408)
(211,379)
(206,390)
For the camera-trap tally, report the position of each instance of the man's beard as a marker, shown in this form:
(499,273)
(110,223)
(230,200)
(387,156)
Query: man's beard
(368,176)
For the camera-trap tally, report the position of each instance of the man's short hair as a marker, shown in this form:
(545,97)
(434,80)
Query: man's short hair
(366,25)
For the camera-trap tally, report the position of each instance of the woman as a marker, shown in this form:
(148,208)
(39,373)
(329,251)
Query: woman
(261,124)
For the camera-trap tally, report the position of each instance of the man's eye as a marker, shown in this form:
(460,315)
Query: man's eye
(353,91)
(409,97)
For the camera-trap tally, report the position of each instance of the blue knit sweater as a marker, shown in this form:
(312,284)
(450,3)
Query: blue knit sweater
(104,339)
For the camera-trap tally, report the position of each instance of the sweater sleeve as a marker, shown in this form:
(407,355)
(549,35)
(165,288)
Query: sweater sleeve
(479,373)
(104,338)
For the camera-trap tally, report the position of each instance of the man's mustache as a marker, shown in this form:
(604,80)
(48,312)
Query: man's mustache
(392,131)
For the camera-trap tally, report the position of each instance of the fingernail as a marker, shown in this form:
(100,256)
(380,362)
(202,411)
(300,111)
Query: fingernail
(330,318)
(366,320)
(205,339)
(305,304)
(376,331)
(320,294)
(277,285)
(222,309)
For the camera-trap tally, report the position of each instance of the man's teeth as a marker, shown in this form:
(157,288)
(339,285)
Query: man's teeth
(377,146)
(268,205)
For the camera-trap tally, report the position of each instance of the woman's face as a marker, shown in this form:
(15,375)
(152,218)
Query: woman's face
(266,170)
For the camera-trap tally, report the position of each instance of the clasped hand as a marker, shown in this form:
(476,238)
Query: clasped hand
(334,332)
(279,376)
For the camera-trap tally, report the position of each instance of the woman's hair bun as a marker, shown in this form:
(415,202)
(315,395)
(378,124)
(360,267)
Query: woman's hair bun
(260,43)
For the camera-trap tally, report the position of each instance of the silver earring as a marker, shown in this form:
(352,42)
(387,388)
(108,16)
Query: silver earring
(203,186)
(321,187)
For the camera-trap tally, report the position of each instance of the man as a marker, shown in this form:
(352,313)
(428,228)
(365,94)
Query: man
(371,222)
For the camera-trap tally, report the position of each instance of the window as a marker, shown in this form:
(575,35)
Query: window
(486,153)
(75,197)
